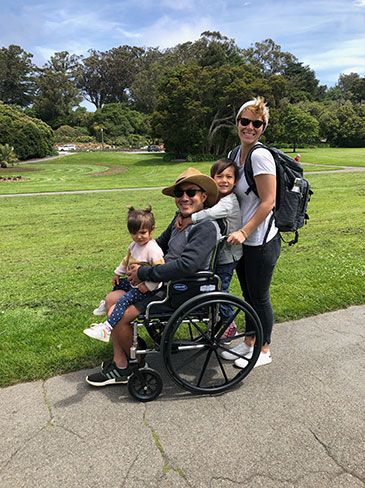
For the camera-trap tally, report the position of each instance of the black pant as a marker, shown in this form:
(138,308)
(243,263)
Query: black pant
(255,270)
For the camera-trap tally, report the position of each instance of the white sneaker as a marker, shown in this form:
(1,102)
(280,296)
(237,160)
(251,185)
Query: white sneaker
(99,331)
(101,310)
(264,358)
(243,349)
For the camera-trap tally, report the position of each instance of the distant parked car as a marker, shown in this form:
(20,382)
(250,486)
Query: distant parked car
(67,147)
(153,148)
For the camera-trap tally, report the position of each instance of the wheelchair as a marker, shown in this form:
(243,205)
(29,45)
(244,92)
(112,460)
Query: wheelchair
(189,337)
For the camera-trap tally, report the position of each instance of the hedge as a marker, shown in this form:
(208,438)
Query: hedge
(30,137)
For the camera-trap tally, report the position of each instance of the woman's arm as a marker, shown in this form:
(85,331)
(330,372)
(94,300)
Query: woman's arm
(266,188)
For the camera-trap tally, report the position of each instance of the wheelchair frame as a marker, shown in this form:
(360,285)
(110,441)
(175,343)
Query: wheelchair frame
(190,338)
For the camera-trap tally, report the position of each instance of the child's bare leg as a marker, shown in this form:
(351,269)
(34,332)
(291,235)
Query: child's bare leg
(111,299)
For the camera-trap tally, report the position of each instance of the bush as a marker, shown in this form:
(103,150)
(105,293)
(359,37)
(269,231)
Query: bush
(30,137)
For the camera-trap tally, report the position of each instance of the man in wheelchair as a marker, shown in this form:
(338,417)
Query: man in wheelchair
(185,252)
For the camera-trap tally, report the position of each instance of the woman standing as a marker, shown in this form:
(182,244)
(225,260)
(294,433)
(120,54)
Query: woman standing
(258,235)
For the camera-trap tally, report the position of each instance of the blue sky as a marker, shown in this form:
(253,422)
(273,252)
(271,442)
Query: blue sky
(327,35)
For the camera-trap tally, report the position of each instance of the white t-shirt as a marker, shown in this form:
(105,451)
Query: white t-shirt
(262,163)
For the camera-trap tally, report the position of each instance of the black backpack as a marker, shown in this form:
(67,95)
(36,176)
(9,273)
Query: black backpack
(293,191)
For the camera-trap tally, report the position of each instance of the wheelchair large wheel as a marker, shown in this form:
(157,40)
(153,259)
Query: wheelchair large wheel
(145,385)
(192,343)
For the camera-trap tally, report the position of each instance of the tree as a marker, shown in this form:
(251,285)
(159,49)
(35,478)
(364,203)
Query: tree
(349,87)
(352,123)
(56,91)
(106,77)
(298,126)
(16,76)
(196,106)
(302,83)
(268,57)
(121,125)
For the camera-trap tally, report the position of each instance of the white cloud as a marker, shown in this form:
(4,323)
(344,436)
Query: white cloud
(360,3)
(168,32)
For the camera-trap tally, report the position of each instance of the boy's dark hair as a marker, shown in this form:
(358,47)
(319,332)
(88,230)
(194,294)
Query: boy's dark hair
(221,165)
(138,219)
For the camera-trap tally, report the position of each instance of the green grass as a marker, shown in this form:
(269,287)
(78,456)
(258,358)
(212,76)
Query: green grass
(77,172)
(338,156)
(59,253)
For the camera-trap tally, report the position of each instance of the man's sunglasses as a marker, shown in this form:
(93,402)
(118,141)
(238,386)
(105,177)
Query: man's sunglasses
(256,123)
(191,192)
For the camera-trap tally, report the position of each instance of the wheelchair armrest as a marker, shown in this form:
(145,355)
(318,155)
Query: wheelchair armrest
(179,291)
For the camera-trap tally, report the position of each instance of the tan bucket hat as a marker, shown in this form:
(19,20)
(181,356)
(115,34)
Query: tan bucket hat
(193,175)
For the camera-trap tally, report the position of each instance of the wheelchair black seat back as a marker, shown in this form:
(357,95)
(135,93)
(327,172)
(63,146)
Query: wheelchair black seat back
(187,330)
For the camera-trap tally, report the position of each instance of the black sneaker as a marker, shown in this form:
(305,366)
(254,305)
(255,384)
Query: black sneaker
(110,374)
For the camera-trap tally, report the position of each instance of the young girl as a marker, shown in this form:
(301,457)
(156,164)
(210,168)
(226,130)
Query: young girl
(143,251)
(225,174)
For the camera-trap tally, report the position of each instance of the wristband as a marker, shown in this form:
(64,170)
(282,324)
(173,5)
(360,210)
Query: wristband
(244,233)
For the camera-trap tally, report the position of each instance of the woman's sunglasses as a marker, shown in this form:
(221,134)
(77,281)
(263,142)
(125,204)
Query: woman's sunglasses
(191,192)
(256,123)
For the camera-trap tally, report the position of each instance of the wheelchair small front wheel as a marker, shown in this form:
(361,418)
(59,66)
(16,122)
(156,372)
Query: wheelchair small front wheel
(145,385)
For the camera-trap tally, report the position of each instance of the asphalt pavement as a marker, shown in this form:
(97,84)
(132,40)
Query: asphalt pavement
(298,422)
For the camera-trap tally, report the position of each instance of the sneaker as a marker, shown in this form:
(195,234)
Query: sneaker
(230,332)
(99,331)
(142,364)
(242,349)
(101,310)
(110,374)
(264,358)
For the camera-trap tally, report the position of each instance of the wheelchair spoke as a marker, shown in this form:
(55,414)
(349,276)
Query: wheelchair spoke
(191,359)
(204,366)
(221,367)
(192,343)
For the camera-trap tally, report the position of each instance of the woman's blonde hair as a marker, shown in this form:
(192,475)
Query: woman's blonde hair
(258,107)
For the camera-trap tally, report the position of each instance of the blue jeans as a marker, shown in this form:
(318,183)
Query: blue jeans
(131,296)
(225,272)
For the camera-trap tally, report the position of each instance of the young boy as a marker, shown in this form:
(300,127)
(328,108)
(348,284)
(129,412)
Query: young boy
(225,174)
(143,251)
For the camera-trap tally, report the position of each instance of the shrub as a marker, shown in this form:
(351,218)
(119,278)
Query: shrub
(30,137)
(7,155)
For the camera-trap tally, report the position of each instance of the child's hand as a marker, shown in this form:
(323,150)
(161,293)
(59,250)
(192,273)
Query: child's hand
(115,280)
(142,288)
(181,223)
(178,222)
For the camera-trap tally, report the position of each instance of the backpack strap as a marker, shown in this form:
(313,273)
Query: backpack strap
(249,172)
(233,154)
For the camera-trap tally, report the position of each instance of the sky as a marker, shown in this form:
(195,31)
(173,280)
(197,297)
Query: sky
(327,35)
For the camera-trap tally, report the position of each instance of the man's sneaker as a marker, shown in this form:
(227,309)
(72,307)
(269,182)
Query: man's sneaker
(99,331)
(110,374)
(101,310)
(230,332)
(242,349)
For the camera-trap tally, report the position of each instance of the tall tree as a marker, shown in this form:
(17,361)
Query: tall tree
(16,76)
(302,82)
(56,91)
(106,77)
(298,126)
(197,105)
(268,57)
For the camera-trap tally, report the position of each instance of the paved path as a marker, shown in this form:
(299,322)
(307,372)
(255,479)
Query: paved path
(297,423)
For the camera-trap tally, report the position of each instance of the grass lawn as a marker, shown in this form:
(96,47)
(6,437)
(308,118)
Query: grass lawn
(59,253)
(91,171)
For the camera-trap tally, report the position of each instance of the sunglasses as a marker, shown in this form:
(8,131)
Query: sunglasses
(256,123)
(191,192)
